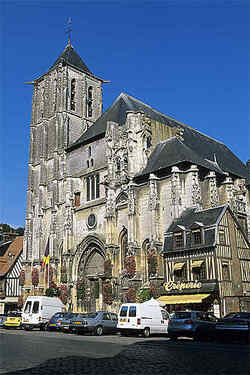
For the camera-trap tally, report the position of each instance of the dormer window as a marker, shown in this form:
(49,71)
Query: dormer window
(72,95)
(196,236)
(179,240)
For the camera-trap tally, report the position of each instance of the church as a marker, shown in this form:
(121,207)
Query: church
(130,204)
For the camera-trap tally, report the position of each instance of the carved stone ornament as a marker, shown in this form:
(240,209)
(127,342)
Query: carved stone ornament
(196,190)
(153,203)
(68,223)
(110,204)
(131,200)
(175,186)
(213,191)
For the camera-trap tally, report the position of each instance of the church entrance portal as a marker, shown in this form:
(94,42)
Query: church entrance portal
(90,272)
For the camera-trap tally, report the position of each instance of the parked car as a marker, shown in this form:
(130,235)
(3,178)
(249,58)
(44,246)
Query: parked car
(55,321)
(3,317)
(196,324)
(235,325)
(65,326)
(14,320)
(143,318)
(96,323)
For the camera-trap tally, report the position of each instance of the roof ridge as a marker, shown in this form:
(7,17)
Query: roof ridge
(173,119)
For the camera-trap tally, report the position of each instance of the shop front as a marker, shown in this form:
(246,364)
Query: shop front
(191,295)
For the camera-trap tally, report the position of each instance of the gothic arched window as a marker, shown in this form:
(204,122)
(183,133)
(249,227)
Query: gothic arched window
(124,246)
(90,99)
(72,95)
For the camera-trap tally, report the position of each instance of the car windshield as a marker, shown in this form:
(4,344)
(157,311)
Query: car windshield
(14,314)
(91,315)
(59,315)
(69,315)
(182,315)
(27,307)
(238,315)
(80,316)
(230,316)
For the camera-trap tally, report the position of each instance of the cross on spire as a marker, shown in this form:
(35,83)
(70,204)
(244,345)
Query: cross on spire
(69,30)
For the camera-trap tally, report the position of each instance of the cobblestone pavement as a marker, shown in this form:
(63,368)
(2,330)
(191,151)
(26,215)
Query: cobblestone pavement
(182,357)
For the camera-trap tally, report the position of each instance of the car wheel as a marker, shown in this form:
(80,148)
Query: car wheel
(99,330)
(173,337)
(146,332)
(28,328)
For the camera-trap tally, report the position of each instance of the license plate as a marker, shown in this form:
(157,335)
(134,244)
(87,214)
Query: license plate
(52,325)
(78,322)
(26,320)
(123,320)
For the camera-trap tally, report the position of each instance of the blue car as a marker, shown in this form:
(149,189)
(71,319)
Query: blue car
(3,318)
(95,323)
(55,322)
(65,326)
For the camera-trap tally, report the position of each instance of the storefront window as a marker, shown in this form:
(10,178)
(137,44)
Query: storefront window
(181,273)
(199,273)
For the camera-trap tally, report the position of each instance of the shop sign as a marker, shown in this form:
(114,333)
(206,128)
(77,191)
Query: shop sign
(180,285)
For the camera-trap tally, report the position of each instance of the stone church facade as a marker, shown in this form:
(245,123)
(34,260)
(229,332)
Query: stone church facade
(104,190)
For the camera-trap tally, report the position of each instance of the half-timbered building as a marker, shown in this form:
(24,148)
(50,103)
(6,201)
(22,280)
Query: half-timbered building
(10,268)
(207,257)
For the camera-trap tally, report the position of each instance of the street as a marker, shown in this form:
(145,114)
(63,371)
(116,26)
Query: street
(55,353)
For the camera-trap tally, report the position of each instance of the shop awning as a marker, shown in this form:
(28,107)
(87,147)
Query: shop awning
(179,299)
(178,266)
(197,263)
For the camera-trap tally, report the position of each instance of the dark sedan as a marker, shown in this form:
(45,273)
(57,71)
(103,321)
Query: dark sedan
(234,326)
(96,323)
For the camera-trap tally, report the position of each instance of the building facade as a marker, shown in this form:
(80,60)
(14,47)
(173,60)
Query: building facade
(104,189)
(10,267)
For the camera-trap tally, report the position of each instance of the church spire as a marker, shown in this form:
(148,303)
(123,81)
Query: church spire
(69,31)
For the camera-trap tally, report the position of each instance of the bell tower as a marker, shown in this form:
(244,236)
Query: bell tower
(67,100)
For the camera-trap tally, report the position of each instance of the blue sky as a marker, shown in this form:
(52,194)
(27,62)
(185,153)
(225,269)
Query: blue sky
(189,59)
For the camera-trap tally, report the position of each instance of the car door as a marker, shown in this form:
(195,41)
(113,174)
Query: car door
(114,318)
(164,321)
(206,324)
(107,322)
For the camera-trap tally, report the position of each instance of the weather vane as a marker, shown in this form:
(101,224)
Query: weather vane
(69,30)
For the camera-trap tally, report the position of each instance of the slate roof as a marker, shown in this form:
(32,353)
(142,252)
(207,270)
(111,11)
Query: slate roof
(196,148)
(209,218)
(15,248)
(173,152)
(69,56)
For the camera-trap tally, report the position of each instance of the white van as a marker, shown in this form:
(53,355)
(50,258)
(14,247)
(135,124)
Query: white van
(147,318)
(38,310)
